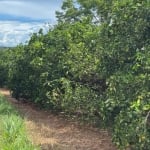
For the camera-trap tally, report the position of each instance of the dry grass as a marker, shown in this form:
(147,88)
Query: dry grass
(53,132)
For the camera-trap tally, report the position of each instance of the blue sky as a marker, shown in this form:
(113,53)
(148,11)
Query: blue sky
(20,18)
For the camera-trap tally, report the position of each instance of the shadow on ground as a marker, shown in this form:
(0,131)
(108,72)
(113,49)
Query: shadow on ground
(53,132)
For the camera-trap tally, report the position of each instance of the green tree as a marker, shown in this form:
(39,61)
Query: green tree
(95,61)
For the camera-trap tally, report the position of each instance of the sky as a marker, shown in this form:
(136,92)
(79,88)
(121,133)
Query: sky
(20,18)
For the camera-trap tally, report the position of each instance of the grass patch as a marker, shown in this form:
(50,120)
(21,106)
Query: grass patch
(12,130)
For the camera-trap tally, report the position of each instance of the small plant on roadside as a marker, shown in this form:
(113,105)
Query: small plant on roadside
(12,130)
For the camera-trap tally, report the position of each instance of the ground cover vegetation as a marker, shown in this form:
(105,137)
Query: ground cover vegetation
(12,130)
(94,62)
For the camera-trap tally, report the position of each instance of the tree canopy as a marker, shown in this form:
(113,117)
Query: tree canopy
(96,61)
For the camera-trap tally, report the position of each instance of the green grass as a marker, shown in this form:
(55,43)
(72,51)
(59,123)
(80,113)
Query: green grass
(12,130)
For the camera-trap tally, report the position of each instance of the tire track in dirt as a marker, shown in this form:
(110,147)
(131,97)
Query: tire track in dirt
(53,132)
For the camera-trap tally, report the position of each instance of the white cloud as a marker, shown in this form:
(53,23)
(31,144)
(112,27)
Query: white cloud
(36,9)
(13,33)
(23,17)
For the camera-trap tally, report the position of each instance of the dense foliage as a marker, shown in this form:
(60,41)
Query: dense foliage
(3,67)
(95,62)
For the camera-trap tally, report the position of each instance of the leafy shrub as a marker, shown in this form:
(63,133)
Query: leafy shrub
(94,60)
(3,67)
(131,129)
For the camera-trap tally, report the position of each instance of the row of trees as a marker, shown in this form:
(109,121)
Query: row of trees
(94,61)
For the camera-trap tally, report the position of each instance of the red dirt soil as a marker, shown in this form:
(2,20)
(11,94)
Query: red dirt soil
(53,132)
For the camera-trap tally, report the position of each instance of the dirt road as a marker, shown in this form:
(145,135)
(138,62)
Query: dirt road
(53,132)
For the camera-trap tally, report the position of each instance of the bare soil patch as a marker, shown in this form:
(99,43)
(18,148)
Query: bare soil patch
(53,132)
